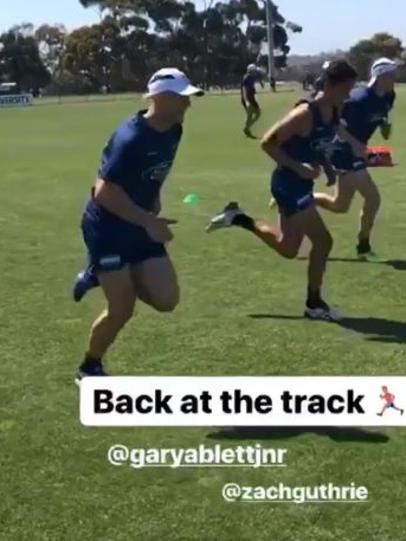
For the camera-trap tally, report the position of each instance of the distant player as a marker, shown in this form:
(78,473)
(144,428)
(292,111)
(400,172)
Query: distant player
(124,235)
(389,401)
(318,84)
(248,97)
(367,109)
(296,144)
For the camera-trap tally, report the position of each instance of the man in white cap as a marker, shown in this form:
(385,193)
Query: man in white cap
(124,235)
(248,97)
(367,109)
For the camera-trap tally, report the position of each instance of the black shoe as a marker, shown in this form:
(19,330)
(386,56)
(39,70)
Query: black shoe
(363,249)
(249,134)
(89,368)
(224,218)
(84,281)
(320,311)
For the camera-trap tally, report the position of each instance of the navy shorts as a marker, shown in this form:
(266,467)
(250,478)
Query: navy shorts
(111,248)
(291,192)
(344,159)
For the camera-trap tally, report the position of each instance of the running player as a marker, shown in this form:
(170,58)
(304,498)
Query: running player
(318,86)
(389,401)
(125,238)
(248,97)
(296,143)
(367,109)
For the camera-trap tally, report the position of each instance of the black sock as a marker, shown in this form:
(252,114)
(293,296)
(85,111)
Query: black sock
(363,246)
(314,299)
(313,295)
(244,221)
(90,361)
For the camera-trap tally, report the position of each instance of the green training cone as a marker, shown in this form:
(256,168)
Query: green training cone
(192,199)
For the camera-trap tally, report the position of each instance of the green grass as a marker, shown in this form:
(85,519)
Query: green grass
(56,482)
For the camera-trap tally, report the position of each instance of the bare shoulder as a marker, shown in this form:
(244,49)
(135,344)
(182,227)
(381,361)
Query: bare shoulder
(299,118)
(296,122)
(301,113)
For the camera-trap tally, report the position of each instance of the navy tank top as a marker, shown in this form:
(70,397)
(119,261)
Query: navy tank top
(320,141)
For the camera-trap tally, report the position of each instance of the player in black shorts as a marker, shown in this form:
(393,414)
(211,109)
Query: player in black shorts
(248,97)
(297,143)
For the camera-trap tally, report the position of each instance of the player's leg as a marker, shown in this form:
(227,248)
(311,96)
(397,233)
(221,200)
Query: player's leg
(372,202)
(257,112)
(344,191)
(322,243)
(306,222)
(156,283)
(293,196)
(252,117)
(119,291)
(248,117)
(286,241)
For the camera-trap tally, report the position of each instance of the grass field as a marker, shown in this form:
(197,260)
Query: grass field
(56,482)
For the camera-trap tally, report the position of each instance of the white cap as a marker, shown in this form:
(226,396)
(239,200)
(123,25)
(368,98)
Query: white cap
(252,67)
(171,80)
(326,64)
(381,67)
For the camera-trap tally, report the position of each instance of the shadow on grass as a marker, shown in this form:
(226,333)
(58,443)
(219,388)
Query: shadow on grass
(376,329)
(397,264)
(338,434)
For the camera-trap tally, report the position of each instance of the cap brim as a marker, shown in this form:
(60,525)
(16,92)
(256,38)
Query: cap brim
(191,90)
(372,81)
(188,91)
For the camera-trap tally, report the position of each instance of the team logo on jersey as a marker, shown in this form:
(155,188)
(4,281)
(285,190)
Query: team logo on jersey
(157,173)
(327,145)
(377,118)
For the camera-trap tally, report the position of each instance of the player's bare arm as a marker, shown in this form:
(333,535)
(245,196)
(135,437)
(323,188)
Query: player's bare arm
(298,122)
(359,148)
(157,206)
(113,198)
(386,130)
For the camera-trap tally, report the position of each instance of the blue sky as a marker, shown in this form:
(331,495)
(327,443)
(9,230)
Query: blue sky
(328,25)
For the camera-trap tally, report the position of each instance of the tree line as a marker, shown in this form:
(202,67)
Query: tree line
(137,37)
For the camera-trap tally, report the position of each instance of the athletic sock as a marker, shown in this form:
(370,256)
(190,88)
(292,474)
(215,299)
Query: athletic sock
(314,299)
(90,362)
(363,246)
(244,221)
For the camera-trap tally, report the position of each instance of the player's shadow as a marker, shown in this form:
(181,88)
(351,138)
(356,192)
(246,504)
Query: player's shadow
(397,264)
(376,329)
(338,434)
